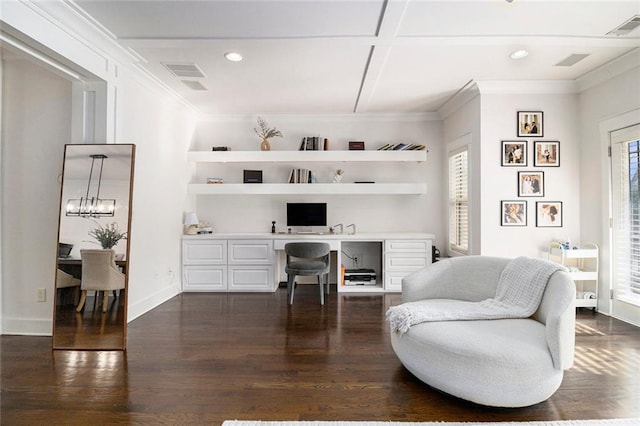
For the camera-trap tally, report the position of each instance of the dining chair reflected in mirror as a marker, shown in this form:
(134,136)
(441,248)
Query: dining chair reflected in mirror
(68,283)
(307,259)
(100,274)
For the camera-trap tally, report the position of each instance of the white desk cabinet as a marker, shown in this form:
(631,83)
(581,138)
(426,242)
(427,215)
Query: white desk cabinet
(402,257)
(213,264)
(249,262)
(204,265)
(251,265)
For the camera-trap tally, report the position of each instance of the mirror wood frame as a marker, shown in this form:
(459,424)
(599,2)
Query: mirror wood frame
(91,329)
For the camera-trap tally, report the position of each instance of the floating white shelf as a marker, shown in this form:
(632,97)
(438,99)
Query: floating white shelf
(304,156)
(310,189)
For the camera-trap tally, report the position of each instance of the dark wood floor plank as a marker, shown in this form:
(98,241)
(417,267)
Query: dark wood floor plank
(205,358)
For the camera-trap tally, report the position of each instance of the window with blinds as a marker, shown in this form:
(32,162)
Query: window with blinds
(459,202)
(626,220)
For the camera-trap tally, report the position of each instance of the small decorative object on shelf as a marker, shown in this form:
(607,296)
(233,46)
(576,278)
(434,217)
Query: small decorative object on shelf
(204,228)
(356,146)
(273,226)
(108,236)
(337,176)
(266,133)
(220,148)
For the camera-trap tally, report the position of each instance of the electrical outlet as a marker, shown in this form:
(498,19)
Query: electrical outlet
(41,295)
(357,260)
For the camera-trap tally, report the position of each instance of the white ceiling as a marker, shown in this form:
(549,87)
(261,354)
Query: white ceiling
(365,56)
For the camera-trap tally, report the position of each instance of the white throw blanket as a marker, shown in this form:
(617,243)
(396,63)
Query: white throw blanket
(518,295)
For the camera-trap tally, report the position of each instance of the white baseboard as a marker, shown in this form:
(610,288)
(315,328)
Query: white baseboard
(27,327)
(145,305)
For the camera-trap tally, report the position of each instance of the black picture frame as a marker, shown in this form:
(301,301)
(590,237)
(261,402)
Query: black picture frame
(513,153)
(531,184)
(549,214)
(530,124)
(546,154)
(513,213)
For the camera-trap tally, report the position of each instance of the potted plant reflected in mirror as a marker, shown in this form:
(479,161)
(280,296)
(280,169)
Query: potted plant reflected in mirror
(266,133)
(108,235)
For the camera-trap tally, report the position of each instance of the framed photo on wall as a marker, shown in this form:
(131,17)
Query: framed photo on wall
(530,184)
(546,154)
(549,214)
(530,124)
(514,153)
(514,213)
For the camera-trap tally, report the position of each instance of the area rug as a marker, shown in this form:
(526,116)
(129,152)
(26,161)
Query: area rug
(608,422)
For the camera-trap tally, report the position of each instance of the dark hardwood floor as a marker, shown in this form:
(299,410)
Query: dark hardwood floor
(205,358)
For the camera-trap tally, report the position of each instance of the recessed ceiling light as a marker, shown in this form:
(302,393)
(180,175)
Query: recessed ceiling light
(233,56)
(519,54)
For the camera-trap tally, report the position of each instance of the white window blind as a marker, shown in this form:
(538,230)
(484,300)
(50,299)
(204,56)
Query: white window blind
(459,202)
(626,218)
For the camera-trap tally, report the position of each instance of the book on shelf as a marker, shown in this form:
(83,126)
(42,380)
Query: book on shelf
(402,147)
(302,176)
(314,143)
(215,180)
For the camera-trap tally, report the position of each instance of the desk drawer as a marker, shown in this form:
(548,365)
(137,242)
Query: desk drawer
(405,261)
(204,252)
(408,246)
(205,278)
(251,278)
(250,252)
(393,280)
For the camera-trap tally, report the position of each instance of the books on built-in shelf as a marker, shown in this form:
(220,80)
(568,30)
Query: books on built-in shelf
(215,180)
(314,143)
(302,176)
(402,147)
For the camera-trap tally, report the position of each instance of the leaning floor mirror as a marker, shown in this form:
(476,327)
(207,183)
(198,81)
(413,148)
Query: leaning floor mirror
(92,259)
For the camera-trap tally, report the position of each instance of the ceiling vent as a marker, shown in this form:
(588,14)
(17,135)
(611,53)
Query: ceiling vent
(626,27)
(189,70)
(571,60)
(194,85)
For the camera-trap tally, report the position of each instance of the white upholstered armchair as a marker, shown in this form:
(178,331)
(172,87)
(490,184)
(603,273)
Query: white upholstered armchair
(509,362)
(99,273)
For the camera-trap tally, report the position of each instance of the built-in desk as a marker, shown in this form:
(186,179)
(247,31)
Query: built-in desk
(254,262)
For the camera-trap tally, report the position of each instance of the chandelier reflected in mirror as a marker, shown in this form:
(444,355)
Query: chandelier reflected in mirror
(91,205)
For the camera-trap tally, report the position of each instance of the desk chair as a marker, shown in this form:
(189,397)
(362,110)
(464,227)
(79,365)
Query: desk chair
(99,273)
(307,259)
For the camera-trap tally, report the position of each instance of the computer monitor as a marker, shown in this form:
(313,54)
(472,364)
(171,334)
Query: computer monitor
(306,214)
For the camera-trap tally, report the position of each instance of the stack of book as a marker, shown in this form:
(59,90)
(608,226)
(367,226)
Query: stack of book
(314,143)
(401,147)
(302,176)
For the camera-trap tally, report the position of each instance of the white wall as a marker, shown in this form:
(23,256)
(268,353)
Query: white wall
(162,129)
(36,107)
(562,183)
(462,125)
(372,213)
(137,111)
(616,95)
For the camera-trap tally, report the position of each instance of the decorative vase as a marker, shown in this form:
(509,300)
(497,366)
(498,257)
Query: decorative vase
(265,145)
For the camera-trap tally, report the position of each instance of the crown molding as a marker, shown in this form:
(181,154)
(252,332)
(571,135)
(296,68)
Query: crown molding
(620,65)
(323,117)
(535,87)
(466,94)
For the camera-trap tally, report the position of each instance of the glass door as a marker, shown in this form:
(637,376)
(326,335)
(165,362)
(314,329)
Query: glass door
(625,244)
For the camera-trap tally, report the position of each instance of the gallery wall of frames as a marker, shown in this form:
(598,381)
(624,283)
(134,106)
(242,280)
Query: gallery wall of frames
(529,152)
